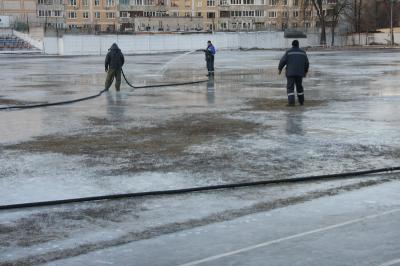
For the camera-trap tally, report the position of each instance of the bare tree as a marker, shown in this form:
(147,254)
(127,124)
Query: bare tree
(335,13)
(319,7)
(354,14)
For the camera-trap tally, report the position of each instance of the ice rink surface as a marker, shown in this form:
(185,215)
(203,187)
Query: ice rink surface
(233,128)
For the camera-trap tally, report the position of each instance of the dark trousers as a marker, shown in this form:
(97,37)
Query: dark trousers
(111,74)
(291,82)
(210,64)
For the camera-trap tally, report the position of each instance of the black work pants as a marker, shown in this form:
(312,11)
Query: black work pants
(291,82)
(210,64)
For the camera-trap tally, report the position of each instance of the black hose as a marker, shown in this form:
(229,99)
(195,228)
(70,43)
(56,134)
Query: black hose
(51,104)
(94,96)
(162,85)
(196,189)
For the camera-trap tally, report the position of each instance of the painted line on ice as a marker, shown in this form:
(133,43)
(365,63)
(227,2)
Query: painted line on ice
(264,244)
(392,262)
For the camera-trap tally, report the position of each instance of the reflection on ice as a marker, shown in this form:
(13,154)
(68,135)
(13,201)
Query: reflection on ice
(160,138)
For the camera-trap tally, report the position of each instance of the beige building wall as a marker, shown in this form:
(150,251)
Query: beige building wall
(98,15)
(165,15)
(50,13)
(19,10)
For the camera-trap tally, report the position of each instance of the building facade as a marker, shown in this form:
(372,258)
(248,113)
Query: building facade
(50,13)
(165,15)
(19,11)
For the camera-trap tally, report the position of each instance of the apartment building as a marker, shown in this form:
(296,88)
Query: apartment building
(50,13)
(23,11)
(91,15)
(165,15)
(221,15)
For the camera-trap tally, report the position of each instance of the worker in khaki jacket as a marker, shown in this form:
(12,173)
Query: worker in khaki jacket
(113,66)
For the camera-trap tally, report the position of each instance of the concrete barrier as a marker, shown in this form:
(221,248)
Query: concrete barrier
(382,38)
(71,44)
(37,44)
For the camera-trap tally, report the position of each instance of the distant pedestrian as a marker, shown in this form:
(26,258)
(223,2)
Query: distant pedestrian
(296,62)
(113,65)
(210,53)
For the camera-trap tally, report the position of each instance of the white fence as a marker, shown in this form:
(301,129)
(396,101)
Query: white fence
(372,38)
(140,44)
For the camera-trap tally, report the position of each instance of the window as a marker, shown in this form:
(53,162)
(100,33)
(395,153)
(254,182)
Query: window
(272,14)
(248,2)
(123,14)
(210,15)
(41,2)
(72,2)
(330,12)
(110,15)
(85,2)
(110,3)
(295,14)
(148,2)
(97,14)
(247,13)
(284,14)
(96,2)
(124,2)
(44,13)
(210,2)
(57,13)
(72,15)
(284,2)
(236,2)
(85,15)
(295,2)
(198,14)
(259,13)
(273,2)
(138,2)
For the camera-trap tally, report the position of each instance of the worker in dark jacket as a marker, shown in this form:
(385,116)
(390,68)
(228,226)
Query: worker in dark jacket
(113,64)
(210,53)
(296,62)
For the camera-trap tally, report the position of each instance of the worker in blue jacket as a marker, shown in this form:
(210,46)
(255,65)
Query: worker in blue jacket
(296,62)
(210,53)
